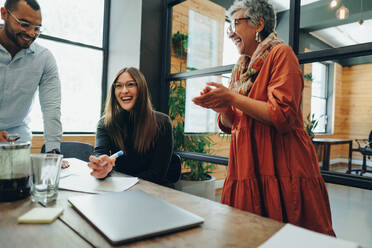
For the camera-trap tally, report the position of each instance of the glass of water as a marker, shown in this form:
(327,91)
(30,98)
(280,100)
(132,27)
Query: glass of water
(45,170)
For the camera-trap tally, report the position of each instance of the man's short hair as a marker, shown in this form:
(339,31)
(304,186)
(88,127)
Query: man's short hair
(12,4)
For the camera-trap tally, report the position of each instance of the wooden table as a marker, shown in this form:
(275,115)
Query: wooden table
(223,227)
(326,143)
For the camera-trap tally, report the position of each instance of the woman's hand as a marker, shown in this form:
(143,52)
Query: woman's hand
(218,99)
(101,165)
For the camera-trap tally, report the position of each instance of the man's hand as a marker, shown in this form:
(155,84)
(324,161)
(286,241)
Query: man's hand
(3,136)
(65,164)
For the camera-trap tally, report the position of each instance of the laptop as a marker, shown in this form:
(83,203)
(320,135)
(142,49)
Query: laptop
(132,215)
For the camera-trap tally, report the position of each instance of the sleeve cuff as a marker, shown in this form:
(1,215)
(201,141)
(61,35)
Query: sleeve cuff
(52,145)
(221,126)
(278,119)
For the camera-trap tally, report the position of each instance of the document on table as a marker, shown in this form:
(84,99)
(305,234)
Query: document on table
(90,184)
(77,167)
(291,236)
(77,178)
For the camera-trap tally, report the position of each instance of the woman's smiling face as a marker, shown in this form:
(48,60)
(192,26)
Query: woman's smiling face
(126,91)
(244,36)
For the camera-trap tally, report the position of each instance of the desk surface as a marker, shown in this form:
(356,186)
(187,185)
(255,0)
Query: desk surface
(223,227)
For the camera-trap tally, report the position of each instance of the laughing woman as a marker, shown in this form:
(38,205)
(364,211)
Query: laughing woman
(130,124)
(273,170)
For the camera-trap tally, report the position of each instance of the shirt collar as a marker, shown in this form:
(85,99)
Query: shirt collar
(31,48)
(2,48)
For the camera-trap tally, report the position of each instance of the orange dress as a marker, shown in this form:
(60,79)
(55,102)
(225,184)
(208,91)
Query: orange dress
(273,169)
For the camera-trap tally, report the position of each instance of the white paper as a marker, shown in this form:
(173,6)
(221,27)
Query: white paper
(90,184)
(77,167)
(291,236)
(77,178)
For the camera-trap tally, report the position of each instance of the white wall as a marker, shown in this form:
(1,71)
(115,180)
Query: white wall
(125,36)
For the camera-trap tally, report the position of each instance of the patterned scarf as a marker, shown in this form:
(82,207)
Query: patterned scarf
(246,69)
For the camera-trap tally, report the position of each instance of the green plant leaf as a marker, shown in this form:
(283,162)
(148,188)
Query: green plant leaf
(180,44)
(308,76)
(193,143)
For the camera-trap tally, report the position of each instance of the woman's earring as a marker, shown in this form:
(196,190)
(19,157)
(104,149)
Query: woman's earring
(258,38)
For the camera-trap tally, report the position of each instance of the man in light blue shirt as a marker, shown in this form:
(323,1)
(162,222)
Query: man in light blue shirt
(24,68)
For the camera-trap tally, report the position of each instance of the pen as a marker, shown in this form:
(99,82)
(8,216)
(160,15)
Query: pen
(115,155)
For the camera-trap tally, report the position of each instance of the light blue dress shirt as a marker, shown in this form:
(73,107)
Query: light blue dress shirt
(30,69)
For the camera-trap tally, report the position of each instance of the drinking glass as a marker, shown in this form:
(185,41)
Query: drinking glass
(45,170)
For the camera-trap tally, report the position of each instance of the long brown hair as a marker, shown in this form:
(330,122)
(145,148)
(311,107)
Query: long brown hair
(145,125)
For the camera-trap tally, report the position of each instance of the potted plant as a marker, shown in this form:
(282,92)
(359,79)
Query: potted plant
(308,76)
(197,179)
(310,125)
(180,44)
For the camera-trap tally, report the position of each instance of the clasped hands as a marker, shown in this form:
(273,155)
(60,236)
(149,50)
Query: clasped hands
(218,98)
(101,166)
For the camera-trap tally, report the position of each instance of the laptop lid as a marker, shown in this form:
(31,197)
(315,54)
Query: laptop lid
(132,215)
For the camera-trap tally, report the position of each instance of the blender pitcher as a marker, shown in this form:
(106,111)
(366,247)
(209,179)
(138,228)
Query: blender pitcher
(14,171)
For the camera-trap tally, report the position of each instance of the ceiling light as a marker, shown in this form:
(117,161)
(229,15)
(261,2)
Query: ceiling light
(333,4)
(342,13)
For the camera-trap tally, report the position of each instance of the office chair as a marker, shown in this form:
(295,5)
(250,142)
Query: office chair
(72,149)
(365,148)
(174,171)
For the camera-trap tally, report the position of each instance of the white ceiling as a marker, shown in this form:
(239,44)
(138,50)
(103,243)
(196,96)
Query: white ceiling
(280,5)
(338,36)
(346,35)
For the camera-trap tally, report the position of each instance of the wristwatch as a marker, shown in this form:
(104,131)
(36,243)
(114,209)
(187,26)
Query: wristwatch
(55,151)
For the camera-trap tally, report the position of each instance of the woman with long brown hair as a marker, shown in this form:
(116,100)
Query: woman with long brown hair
(130,124)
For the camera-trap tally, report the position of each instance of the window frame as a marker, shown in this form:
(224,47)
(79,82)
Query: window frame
(309,57)
(326,98)
(105,51)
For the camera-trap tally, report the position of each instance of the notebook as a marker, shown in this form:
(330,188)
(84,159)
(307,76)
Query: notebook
(132,215)
(40,215)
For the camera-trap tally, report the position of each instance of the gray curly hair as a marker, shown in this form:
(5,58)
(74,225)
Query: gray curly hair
(256,9)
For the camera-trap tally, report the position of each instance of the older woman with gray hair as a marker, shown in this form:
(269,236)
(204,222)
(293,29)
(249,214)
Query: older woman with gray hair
(273,169)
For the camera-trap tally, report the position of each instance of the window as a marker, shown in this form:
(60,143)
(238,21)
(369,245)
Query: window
(81,88)
(230,52)
(79,21)
(74,33)
(339,96)
(198,119)
(319,95)
(341,50)
(80,65)
(199,44)
(197,36)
